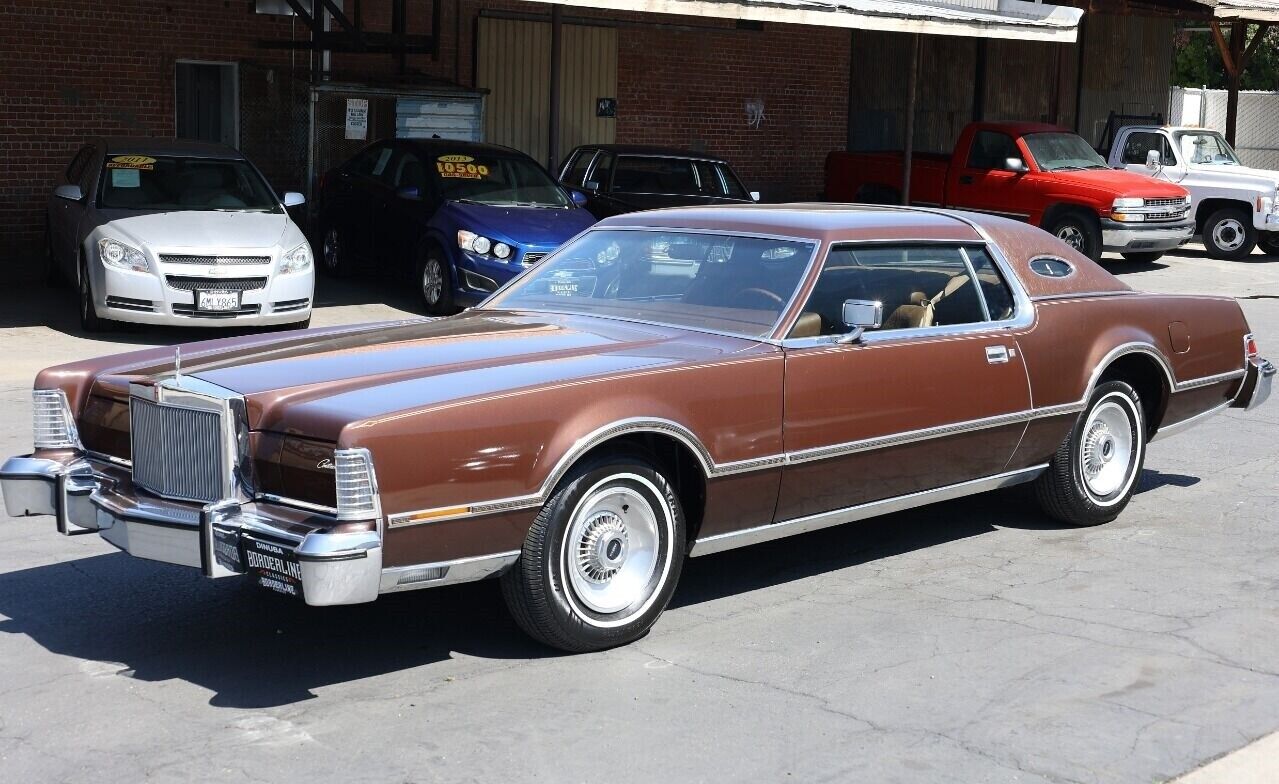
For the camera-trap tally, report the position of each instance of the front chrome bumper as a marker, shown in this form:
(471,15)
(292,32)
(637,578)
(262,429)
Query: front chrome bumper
(1259,376)
(1122,237)
(222,540)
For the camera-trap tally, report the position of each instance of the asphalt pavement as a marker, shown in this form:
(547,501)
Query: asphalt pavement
(971,641)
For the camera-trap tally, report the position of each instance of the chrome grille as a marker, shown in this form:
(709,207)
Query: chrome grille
(186,283)
(1177,202)
(177,452)
(1165,216)
(176,259)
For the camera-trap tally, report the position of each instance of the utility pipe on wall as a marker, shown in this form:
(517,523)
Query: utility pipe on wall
(557,46)
(912,87)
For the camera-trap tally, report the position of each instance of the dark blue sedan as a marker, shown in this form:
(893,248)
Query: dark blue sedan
(467,217)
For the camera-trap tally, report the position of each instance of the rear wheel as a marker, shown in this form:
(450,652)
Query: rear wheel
(1078,230)
(1144,258)
(1228,234)
(1092,477)
(1269,243)
(601,560)
(334,255)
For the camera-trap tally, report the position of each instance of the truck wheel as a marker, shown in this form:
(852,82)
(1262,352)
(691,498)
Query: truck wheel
(1269,243)
(1143,258)
(1092,477)
(1079,231)
(601,560)
(1228,234)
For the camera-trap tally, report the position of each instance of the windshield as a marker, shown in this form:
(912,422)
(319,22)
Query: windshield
(1206,149)
(498,180)
(1062,152)
(164,183)
(721,283)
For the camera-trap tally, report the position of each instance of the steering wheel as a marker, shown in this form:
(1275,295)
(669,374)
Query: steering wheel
(758,294)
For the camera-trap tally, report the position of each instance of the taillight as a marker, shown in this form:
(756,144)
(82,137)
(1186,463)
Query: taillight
(1250,347)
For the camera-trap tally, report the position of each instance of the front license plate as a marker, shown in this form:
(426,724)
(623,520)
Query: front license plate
(273,566)
(217,300)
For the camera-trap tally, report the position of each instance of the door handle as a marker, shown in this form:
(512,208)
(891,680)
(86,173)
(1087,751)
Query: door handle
(965,179)
(997,355)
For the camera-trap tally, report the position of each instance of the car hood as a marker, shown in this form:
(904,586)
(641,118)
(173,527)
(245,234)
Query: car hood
(520,226)
(315,383)
(1118,183)
(197,229)
(1264,180)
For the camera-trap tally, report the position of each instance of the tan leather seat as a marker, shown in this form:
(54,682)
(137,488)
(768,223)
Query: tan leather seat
(809,325)
(922,310)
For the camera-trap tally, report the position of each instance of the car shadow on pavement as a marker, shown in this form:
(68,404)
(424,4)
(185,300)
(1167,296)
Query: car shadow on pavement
(127,617)
(1120,267)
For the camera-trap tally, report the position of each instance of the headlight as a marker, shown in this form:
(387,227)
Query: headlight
(296,260)
(1129,203)
(502,251)
(1129,217)
(357,497)
(126,257)
(53,426)
(1274,201)
(477,243)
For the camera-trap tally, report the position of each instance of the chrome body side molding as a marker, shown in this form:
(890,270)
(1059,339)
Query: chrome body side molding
(431,575)
(800,525)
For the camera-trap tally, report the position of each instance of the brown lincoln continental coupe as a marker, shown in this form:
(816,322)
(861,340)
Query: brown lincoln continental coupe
(667,384)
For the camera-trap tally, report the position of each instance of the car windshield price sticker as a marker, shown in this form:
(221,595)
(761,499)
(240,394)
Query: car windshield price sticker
(126,178)
(139,162)
(461,167)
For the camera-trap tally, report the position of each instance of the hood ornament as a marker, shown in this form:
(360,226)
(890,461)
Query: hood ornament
(177,363)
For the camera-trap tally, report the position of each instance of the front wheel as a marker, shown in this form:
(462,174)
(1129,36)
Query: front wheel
(1269,243)
(1228,234)
(1078,230)
(601,560)
(335,257)
(435,283)
(1092,477)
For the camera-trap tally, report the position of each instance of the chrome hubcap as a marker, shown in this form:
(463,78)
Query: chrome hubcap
(331,249)
(432,281)
(1229,235)
(1071,236)
(612,549)
(1106,457)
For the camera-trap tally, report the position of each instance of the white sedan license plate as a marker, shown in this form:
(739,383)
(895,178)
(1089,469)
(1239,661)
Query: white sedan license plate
(217,300)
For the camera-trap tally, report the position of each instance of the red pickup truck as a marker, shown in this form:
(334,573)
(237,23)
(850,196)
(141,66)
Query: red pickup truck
(1038,173)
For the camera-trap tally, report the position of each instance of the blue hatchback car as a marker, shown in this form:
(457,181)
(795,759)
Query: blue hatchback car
(463,217)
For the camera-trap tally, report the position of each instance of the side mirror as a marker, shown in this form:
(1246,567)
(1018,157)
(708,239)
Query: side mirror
(591,185)
(578,197)
(1016,165)
(755,196)
(294,199)
(1152,159)
(69,192)
(410,192)
(860,315)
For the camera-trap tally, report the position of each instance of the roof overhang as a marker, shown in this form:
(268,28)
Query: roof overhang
(1246,10)
(974,18)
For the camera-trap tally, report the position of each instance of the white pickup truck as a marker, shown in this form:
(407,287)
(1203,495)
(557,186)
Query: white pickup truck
(1235,208)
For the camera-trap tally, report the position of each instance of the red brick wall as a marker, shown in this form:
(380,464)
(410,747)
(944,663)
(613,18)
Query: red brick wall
(70,69)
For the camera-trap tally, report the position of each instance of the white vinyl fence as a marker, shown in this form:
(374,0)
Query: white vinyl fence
(1257,135)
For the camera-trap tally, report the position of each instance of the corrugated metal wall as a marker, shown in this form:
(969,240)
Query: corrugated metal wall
(1127,65)
(513,61)
(1127,69)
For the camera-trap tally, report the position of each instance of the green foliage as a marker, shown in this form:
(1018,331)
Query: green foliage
(1196,61)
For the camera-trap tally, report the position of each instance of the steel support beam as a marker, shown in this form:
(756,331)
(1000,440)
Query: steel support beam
(557,58)
(912,89)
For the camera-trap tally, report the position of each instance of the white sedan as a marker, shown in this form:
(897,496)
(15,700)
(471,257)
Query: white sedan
(178,233)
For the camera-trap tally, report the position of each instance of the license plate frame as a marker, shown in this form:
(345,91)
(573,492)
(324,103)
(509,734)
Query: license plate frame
(217,301)
(272,566)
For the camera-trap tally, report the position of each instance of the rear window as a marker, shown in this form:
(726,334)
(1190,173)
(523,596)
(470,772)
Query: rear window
(170,183)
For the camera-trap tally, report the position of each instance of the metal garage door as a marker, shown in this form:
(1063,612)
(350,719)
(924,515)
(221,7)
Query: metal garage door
(514,64)
(446,118)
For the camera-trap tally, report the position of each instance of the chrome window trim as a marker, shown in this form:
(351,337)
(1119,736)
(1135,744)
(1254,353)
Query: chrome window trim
(493,303)
(1023,306)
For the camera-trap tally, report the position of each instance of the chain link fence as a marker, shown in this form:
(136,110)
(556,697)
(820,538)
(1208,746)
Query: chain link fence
(1257,132)
(273,123)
